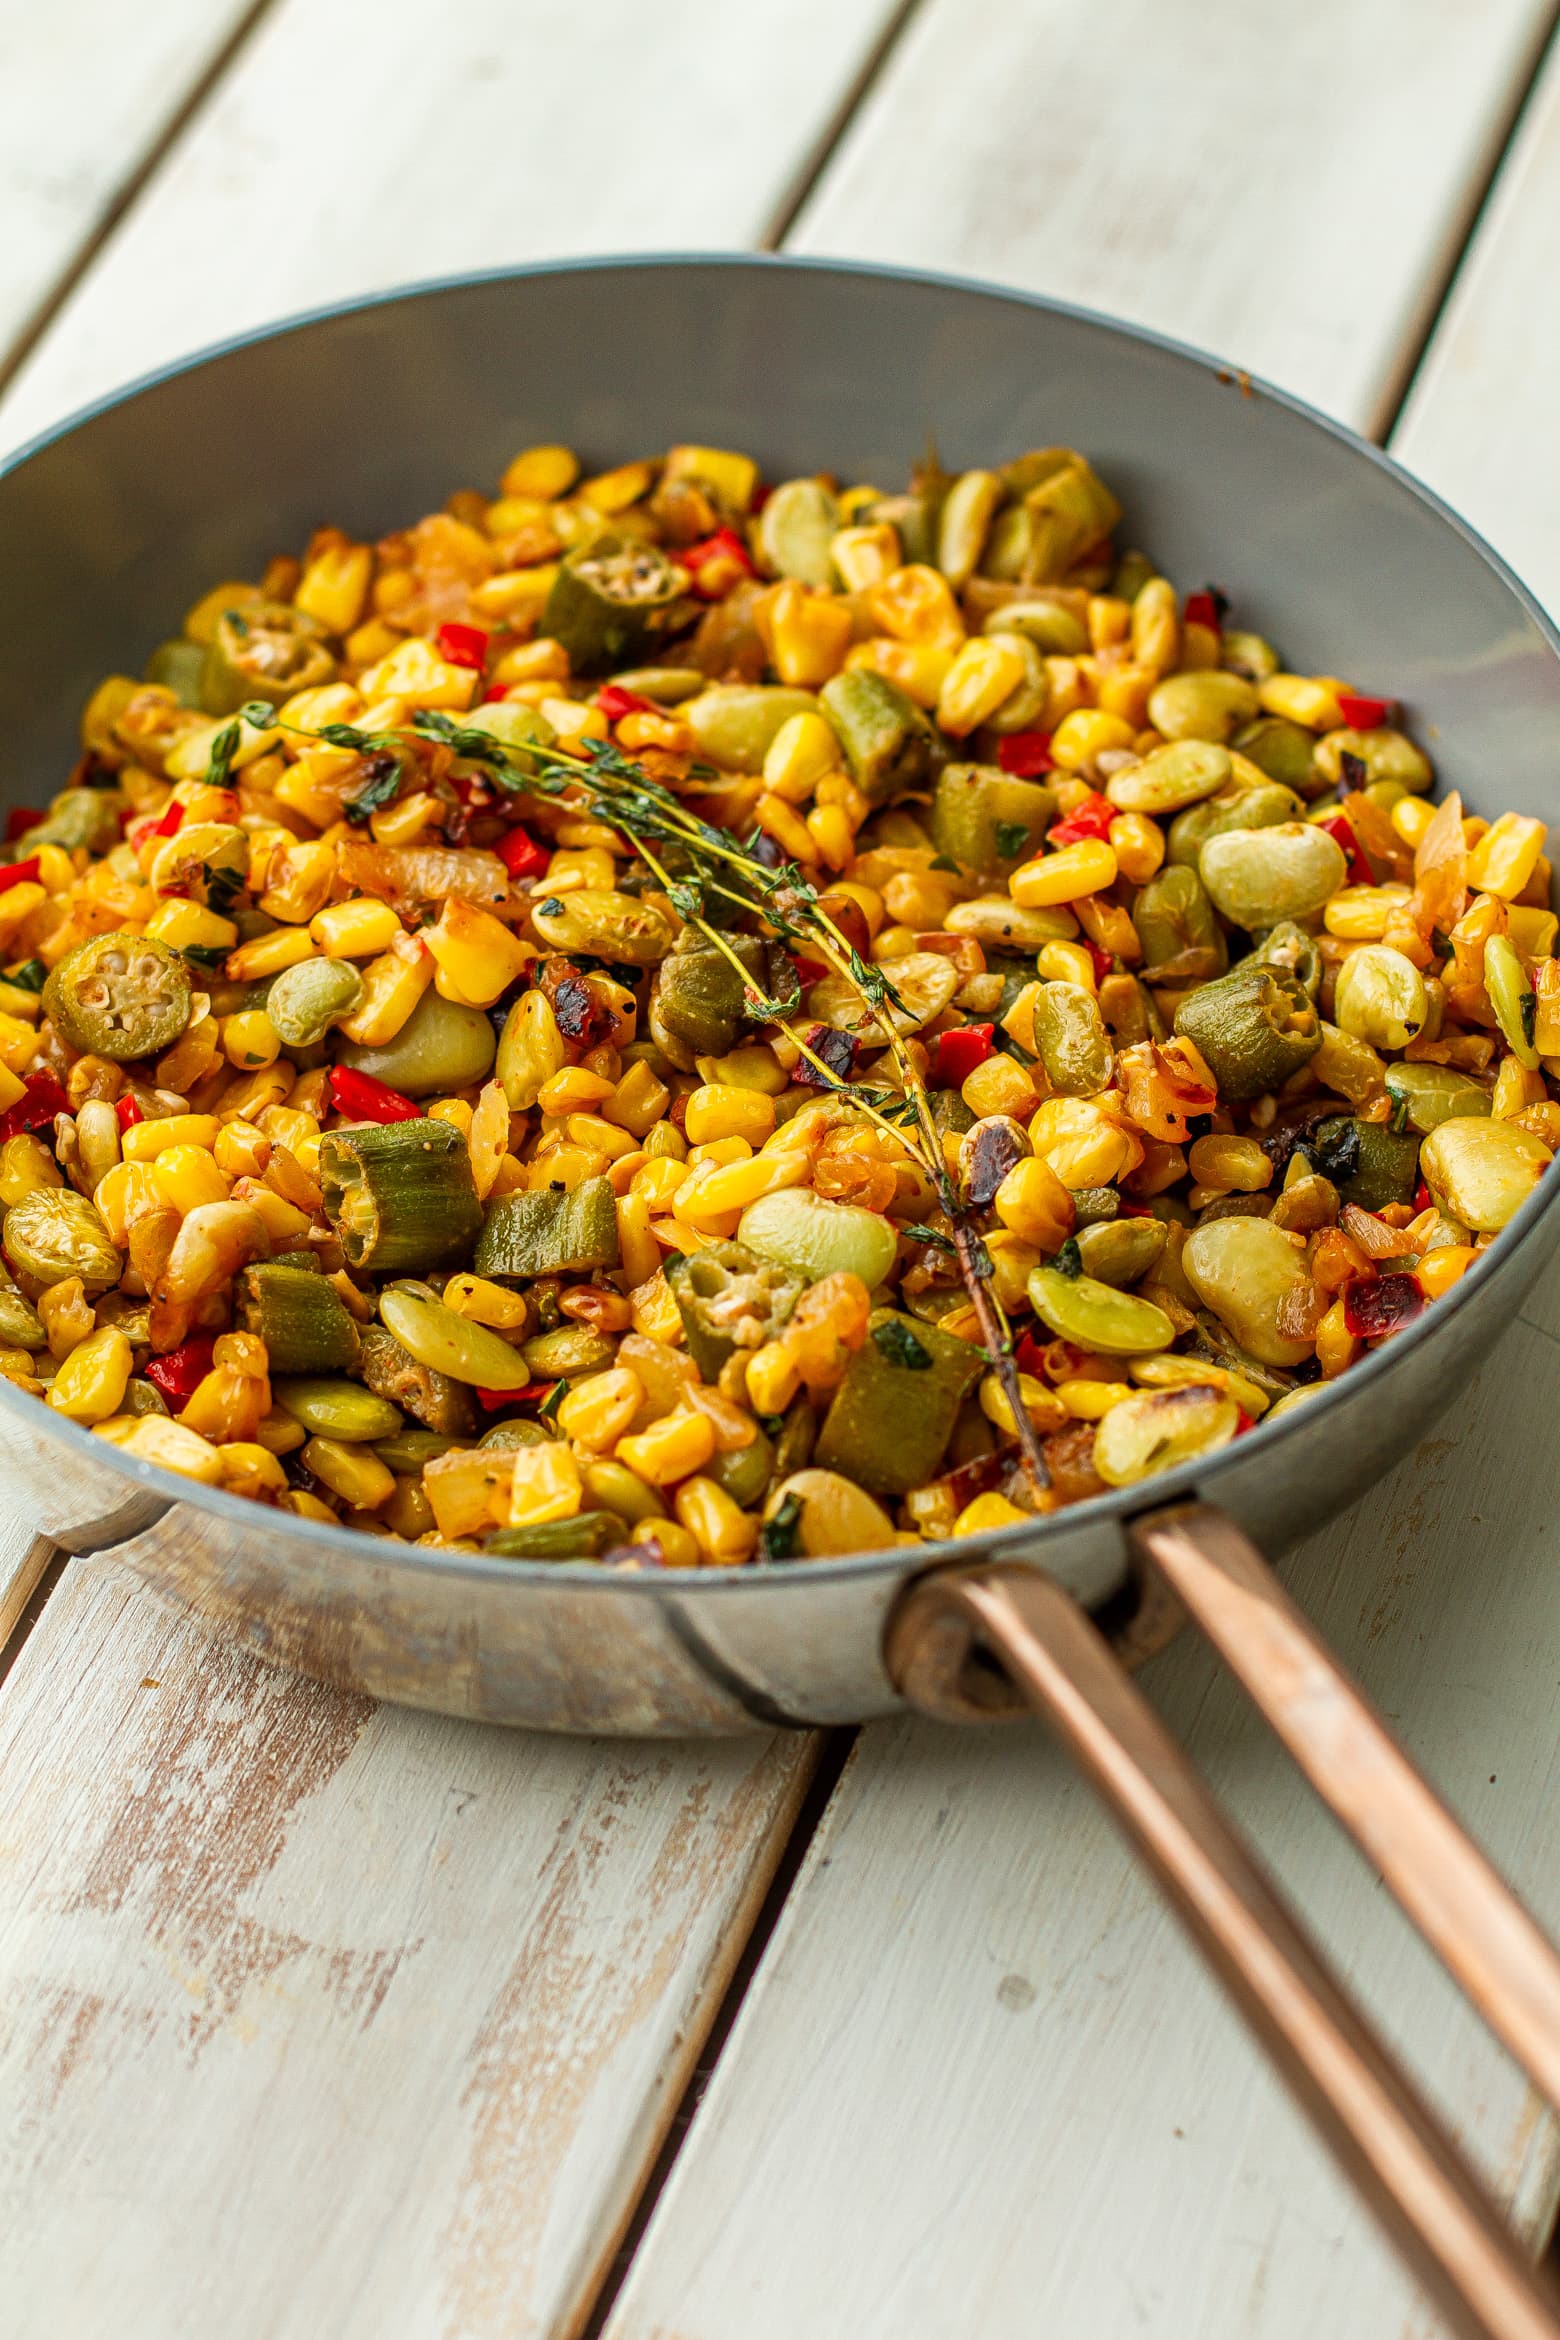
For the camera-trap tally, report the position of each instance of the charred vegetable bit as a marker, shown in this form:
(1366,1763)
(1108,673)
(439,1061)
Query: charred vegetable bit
(651,1018)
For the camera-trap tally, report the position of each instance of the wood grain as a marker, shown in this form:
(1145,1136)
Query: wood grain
(1285,185)
(1479,424)
(318,2018)
(357,145)
(24,1555)
(88,89)
(981,2086)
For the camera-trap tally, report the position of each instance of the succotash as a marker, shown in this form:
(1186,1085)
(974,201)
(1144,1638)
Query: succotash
(674,1020)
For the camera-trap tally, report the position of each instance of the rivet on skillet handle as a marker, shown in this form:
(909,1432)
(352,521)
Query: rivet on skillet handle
(954,1628)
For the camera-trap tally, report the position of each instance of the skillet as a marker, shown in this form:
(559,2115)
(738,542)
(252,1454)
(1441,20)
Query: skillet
(364,413)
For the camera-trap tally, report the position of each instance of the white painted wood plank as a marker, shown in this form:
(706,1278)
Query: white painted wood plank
(24,1555)
(1285,185)
(356,146)
(1488,384)
(87,89)
(982,2087)
(322,2019)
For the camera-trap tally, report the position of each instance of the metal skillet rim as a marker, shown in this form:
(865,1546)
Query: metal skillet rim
(1192,1479)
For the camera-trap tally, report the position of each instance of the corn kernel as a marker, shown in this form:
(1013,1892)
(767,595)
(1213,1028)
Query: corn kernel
(1440,1269)
(615,490)
(722,1111)
(415,672)
(392,986)
(544,472)
(1139,846)
(519,597)
(865,556)
(1506,856)
(1065,962)
(723,1532)
(916,604)
(334,586)
(776,818)
(986,671)
(355,930)
(186,925)
(671,1449)
(1043,1407)
(809,633)
(1085,734)
(1034,1204)
(546,1485)
(598,1411)
(269,954)
(1362,913)
(671,1539)
(1335,1344)
(249,1039)
(90,1385)
(1085,868)
(188,1176)
(143,1140)
(1088,1400)
(481,955)
(918,668)
(1000,1085)
(573,1090)
(989,1511)
(1311,700)
(773,1378)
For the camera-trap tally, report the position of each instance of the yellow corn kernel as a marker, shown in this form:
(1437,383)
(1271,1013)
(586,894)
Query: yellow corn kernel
(865,556)
(1043,1407)
(168,1444)
(722,1111)
(269,954)
(1139,846)
(918,668)
(1308,699)
(639,1251)
(597,1136)
(519,597)
(1065,962)
(188,1176)
(1411,816)
(990,1511)
(334,586)
(351,1472)
(26,1165)
(392,986)
(916,604)
(984,673)
(249,1039)
(544,472)
(1091,1401)
(248,1468)
(1439,1270)
(144,1140)
(745,1068)
(90,1385)
(1516,1088)
(1336,1346)
(659,1180)
(669,1450)
(1228,1165)
(1532,932)
(1085,734)
(1084,868)
(241,1149)
(809,633)
(1000,1085)
(573,1090)
(615,490)
(18,1042)
(1362,913)
(486,1303)
(598,1411)
(1083,1145)
(829,827)
(546,1485)
(637,1102)
(477,951)
(671,1539)
(1034,1204)
(56,870)
(802,750)
(190,755)
(311,710)
(415,672)
(713,1194)
(773,1378)
(183,925)
(666,1142)
(1125,691)
(723,1532)
(1506,856)
(356,929)
(776,818)
(248,1097)
(653,1311)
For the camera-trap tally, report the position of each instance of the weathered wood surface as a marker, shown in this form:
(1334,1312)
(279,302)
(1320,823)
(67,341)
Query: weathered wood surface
(316,2018)
(358,144)
(1285,185)
(88,89)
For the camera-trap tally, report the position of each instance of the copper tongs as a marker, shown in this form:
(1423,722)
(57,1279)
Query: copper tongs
(942,1639)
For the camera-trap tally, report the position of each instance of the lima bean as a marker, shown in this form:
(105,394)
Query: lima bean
(1256,877)
(441,1047)
(1243,1270)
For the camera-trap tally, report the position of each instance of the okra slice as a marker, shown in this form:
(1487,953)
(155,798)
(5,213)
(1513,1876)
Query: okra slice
(986,820)
(441,1404)
(399,1194)
(584,1537)
(730,1299)
(889,744)
(894,1412)
(301,1317)
(549,1233)
(1253,1028)
(613,602)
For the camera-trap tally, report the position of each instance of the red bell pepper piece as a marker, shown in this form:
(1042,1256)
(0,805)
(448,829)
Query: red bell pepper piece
(494,1400)
(362,1098)
(614,702)
(959,1052)
(1202,610)
(1365,714)
(494,692)
(1026,754)
(1091,818)
(1029,1357)
(521,855)
(1244,1422)
(127,1112)
(1423,1198)
(18,820)
(809,971)
(1382,1306)
(170,823)
(181,1372)
(724,545)
(1341,829)
(39,1102)
(1104,964)
(18,873)
(462,645)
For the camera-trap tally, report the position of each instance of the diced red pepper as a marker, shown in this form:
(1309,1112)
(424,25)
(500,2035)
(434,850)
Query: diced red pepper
(834,1050)
(521,855)
(959,1052)
(170,822)
(127,1112)
(1029,1356)
(181,1372)
(1341,829)
(1365,714)
(494,1400)
(1423,1198)
(1202,610)
(1091,818)
(39,1102)
(759,498)
(1383,1306)
(1104,964)
(809,971)
(18,820)
(1244,1422)
(362,1098)
(1026,754)
(614,702)
(462,645)
(18,873)
(724,545)
(494,692)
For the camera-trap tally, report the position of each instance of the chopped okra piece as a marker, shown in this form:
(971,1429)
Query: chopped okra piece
(550,1233)
(399,1193)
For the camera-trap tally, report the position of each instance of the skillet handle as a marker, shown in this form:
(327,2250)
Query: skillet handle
(1367,2109)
